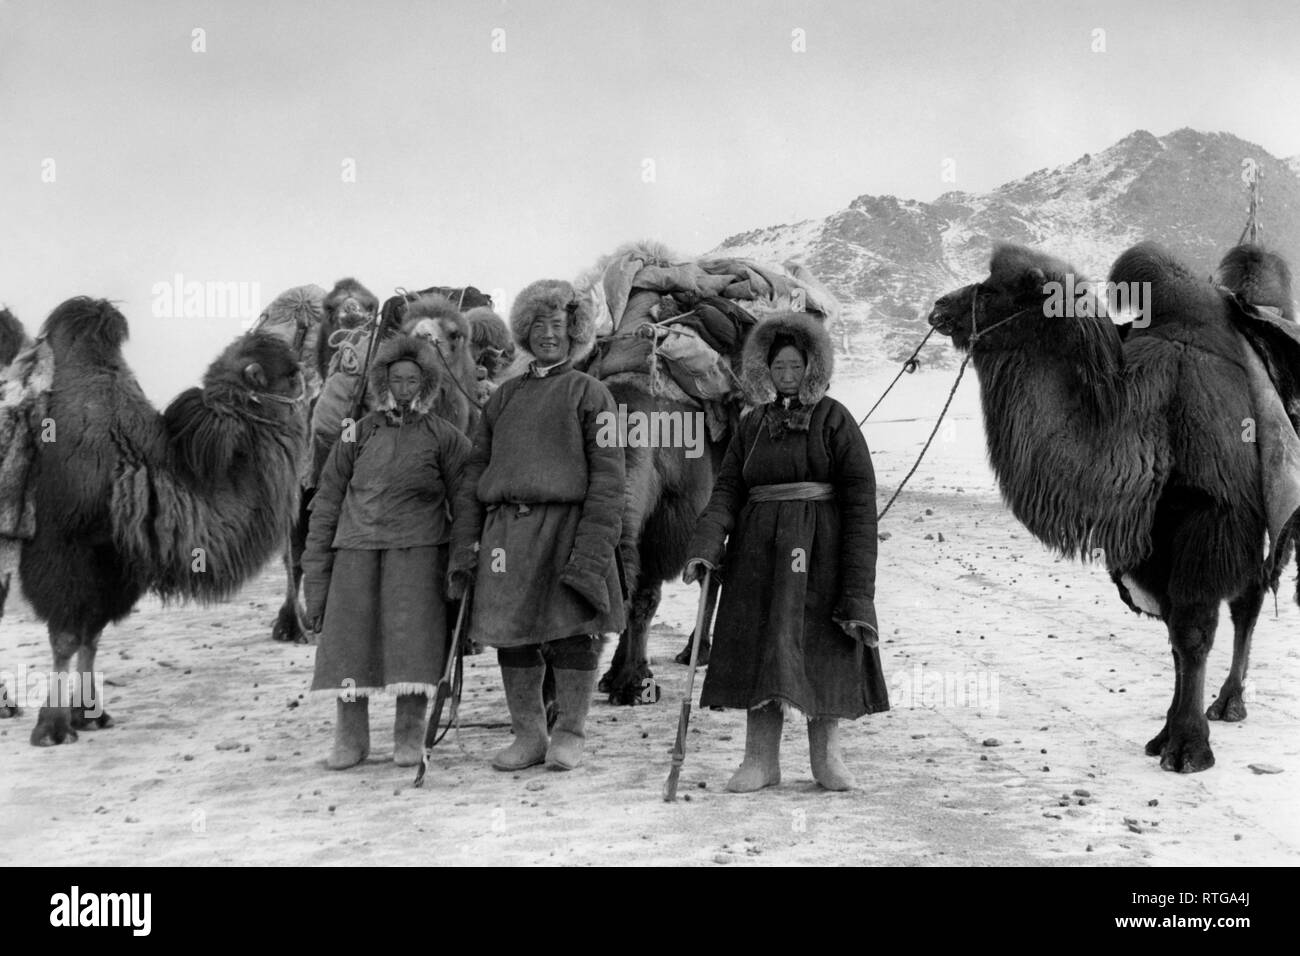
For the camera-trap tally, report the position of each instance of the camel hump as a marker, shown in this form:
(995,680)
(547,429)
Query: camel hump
(1258,276)
(1152,274)
(86,323)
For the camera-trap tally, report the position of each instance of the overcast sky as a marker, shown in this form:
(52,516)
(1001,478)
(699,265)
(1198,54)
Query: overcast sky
(497,143)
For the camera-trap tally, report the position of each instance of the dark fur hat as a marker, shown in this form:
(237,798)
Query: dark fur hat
(806,334)
(406,348)
(546,297)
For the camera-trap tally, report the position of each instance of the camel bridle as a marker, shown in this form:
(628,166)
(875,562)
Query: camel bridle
(976,332)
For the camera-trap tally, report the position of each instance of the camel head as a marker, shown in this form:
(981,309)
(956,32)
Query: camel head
(490,344)
(1028,296)
(257,369)
(349,305)
(437,321)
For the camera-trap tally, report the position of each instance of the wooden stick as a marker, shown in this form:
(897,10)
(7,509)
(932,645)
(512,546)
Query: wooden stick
(684,718)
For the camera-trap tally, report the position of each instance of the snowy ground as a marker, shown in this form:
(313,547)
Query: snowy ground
(1023,693)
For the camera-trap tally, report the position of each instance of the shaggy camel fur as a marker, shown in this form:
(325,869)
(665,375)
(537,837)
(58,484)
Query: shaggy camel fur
(1132,452)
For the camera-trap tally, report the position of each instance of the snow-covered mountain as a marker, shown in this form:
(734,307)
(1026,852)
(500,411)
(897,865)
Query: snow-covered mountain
(888,258)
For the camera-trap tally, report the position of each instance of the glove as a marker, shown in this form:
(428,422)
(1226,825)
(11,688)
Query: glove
(457,584)
(695,569)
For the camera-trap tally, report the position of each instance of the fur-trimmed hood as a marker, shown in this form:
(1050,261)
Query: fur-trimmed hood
(809,335)
(545,297)
(408,348)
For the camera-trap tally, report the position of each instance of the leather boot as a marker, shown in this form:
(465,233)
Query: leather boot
(351,734)
(824,750)
(527,718)
(572,700)
(762,764)
(408,729)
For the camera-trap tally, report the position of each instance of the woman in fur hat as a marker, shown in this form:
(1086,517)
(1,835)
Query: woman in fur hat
(376,553)
(544,502)
(795,502)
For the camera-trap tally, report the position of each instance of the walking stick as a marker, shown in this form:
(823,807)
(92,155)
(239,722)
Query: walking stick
(684,718)
(450,676)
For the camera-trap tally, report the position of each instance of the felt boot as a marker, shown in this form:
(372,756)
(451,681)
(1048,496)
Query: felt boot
(762,764)
(351,734)
(408,729)
(527,718)
(572,700)
(824,749)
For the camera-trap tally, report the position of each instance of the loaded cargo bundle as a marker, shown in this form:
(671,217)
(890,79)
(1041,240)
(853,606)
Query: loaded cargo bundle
(684,323)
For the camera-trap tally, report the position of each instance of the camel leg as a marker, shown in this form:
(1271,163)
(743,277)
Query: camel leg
(54,723)
(1156,745)
(1191,631)
(706,645)
(1244,608)
(88,712)
(630,679)
(289,626)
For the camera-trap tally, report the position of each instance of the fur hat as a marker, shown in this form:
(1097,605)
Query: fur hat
(546,297)
(806,334)
(405,348)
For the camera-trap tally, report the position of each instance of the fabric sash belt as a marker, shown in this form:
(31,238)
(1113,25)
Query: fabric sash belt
(793,491)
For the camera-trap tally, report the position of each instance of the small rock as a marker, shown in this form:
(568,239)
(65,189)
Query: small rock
(928,511)
(940,538)
(188,757)
(686,797)
(721,858)
(132,819)
(1046,769)
(293,704)
(1153,803)
(702,785)
(884,536)
(992,742)
(397,793)
(929,537)
(534,785)
(984,756)
(270,757)
(229,745)
(1088,849)
(1264,768)
(1236,836)
(918,736)
(330,808)
(1082,793)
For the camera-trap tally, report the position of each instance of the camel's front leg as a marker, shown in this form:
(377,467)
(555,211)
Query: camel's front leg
(88,711)
(54,723)
(1191,631)
(630,680)
(289,625)
(1230,704)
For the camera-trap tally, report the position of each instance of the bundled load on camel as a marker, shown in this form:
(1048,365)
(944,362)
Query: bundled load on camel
(684,322)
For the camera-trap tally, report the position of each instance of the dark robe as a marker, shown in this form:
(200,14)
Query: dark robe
(793,569)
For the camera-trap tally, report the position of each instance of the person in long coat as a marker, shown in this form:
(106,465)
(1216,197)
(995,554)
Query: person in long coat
(794,508)
(376,553)
(537,524)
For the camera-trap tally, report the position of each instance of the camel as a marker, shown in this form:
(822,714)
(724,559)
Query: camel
(188,504)
(345,311)
(1133,451)
(436,318)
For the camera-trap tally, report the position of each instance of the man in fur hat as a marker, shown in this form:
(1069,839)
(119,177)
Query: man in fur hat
(544,502)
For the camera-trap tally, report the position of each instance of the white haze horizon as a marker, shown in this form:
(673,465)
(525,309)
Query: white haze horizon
(497,143)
